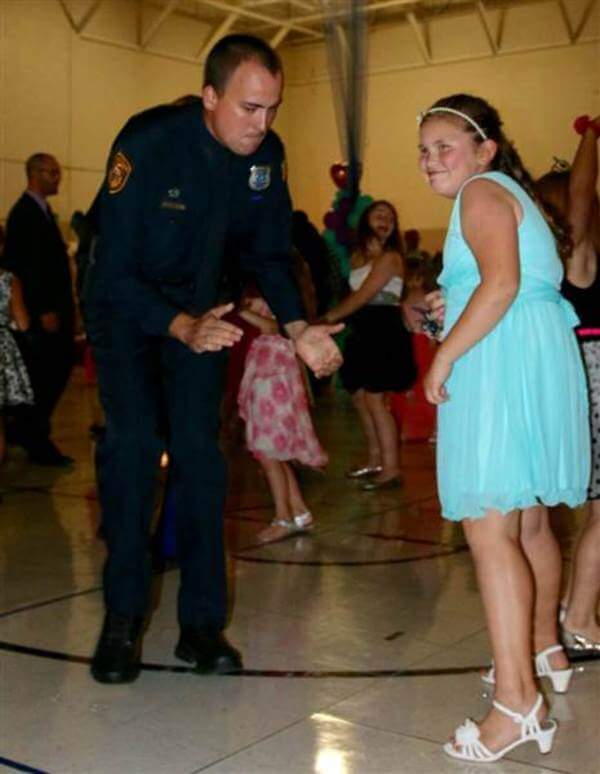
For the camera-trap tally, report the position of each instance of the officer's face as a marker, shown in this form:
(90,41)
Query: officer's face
(240,117)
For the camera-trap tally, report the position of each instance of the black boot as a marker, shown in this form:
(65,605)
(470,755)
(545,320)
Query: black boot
(210,652)
(118,654)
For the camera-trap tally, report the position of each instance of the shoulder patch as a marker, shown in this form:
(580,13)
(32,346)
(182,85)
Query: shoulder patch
(119,172)
(284,171)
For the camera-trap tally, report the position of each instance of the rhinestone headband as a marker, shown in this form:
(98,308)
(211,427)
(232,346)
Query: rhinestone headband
(468,119)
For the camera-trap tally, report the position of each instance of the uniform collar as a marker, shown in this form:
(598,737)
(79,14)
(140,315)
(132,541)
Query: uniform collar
(216,154)
(212,150)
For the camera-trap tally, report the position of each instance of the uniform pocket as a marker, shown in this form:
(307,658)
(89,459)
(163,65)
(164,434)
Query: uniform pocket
(168,247)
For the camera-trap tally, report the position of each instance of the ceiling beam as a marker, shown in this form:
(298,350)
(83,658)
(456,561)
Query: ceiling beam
(584,20)
(263,3)
(382,5)
(88,15)
(485,23)
(67,12)
(218,33)
(421,39)
(279,36)
(79,26)
(566,20)
(243,11)
(157,23)
(500,28)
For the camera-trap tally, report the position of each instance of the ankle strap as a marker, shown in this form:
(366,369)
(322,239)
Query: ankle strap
(548,651)
(517,717)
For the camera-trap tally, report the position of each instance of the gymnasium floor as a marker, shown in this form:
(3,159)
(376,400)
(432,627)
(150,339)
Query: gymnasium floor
(361,641)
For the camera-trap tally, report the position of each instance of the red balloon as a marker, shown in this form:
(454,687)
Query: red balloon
(339,175)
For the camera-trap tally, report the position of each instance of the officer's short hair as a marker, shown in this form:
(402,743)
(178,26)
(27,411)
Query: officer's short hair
(226,56)
(36,162)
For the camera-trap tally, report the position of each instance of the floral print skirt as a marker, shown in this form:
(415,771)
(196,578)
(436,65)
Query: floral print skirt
(272,402)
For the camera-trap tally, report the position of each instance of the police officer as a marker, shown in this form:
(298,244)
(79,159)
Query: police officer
(192,193)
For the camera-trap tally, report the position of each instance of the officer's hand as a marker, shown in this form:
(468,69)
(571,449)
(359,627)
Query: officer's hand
(49,322)
(208,333)
(318,350)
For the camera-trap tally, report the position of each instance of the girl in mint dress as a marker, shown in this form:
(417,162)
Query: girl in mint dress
(515,431)
(513,416)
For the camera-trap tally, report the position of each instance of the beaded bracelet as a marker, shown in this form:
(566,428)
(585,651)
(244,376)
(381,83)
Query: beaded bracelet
(583,123)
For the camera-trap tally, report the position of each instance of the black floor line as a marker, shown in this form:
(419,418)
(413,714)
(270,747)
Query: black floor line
(404,539)
(45,602)
(348,563)
(20,766)
(48,489)
(255,559)
(55,655)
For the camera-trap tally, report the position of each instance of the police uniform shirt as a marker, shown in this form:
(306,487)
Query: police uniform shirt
(178,210)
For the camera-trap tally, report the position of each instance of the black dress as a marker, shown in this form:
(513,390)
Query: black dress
(378,352)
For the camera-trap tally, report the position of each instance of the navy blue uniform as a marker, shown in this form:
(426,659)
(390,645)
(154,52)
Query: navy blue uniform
(180,217)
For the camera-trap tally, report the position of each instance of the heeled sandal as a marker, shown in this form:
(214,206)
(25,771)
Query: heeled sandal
(560,678)
(288,528)
(304,521)
(467,736)
(367,471)
(578,645)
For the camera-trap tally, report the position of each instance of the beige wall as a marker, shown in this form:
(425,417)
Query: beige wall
(70,96)
(537,93)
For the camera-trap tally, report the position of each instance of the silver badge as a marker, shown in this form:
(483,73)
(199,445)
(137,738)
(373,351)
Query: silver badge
(260,178)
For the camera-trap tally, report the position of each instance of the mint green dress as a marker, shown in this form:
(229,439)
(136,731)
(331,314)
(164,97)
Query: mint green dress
(515,431)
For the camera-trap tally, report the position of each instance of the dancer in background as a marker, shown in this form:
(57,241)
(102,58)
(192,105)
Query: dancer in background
(378,356)
(509,383)
(272,401)
(15,387)
(573,194)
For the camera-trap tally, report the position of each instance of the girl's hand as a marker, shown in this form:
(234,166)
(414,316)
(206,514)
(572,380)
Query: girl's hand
(436,306)
(258,305)
(435,379)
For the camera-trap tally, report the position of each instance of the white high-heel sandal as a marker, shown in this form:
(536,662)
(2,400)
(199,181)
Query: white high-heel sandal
(281,529)
(304,521)
(468,747)
(560,678)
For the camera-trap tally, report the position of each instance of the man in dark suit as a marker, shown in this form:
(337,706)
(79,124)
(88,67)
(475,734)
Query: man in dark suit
(36,253)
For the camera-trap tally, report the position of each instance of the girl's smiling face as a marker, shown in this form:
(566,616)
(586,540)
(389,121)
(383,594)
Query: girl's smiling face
(449,154)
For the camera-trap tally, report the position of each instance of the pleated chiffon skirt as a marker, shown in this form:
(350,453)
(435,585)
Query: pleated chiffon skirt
(515,432)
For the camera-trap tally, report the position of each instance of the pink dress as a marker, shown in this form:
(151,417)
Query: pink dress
(272,402)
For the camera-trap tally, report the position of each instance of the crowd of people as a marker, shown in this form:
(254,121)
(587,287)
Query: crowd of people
(189,256)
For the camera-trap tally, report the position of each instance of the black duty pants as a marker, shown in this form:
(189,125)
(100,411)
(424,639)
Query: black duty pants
(140,379)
